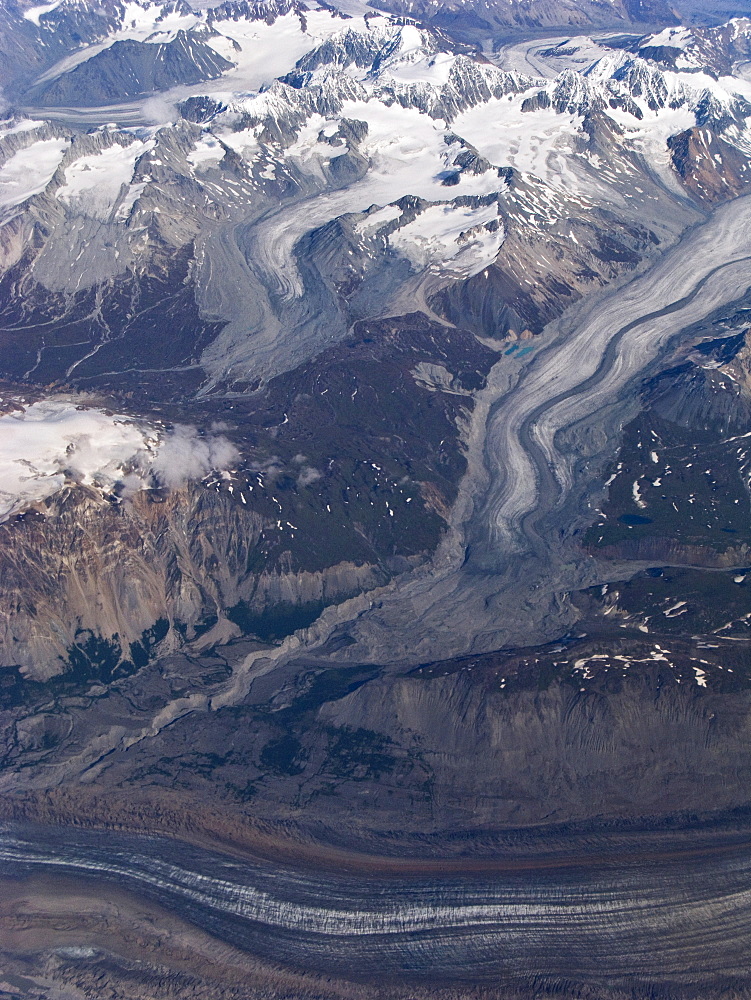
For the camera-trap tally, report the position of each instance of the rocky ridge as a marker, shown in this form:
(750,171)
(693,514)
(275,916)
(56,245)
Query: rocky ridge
(481,14)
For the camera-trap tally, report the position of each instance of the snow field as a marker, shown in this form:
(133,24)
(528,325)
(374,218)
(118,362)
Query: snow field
(94,183)
(29,171)
(54,442)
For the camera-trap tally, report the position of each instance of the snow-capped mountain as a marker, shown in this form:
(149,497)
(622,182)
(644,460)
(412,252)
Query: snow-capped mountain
(714,50)
(83,53)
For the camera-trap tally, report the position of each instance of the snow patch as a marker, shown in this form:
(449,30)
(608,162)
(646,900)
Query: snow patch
(206,152)
(141,22)
(24,125)
(409,154)
(29,171)
(307,145)
(34,13)
(410,63)
(636,493)
(244,142)
(455,240)
(378,219)
(263,52)
(94,183)
(672,38)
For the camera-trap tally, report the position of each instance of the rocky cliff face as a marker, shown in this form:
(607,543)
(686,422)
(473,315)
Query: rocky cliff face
(100,586)
(617,727)
(710,170)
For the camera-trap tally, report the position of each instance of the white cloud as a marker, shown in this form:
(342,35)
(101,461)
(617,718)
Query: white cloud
(49,444)
(308,475)
(183,454)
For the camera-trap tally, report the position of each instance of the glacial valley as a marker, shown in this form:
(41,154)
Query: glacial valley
(375,496)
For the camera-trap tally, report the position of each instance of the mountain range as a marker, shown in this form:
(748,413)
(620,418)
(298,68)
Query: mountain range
(374,403)
(388,173)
